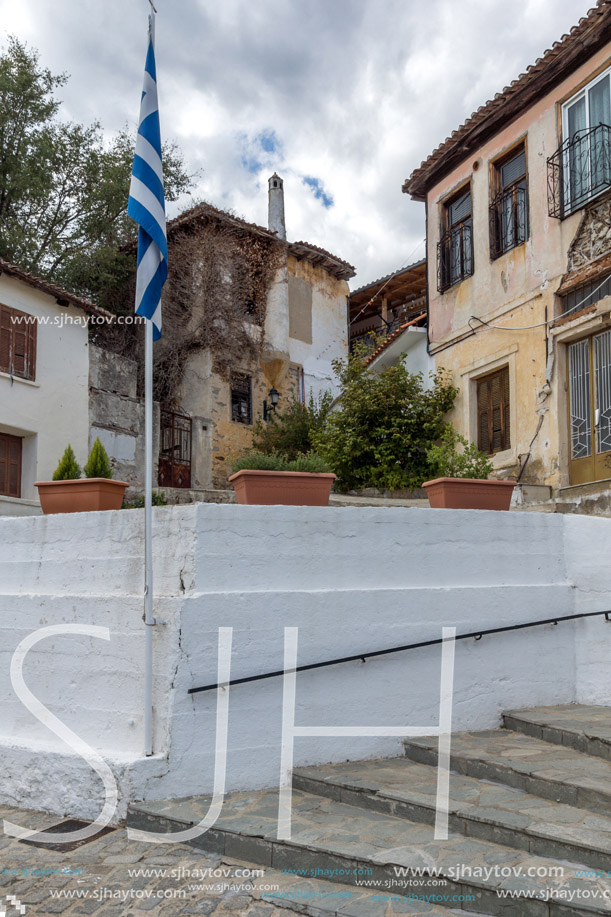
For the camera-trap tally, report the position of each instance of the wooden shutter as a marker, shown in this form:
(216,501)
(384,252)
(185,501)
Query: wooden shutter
(493,412)
(17,343)
(10,465)
(6,335)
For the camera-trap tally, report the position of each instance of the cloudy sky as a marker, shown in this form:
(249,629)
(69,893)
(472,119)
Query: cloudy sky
(343,98)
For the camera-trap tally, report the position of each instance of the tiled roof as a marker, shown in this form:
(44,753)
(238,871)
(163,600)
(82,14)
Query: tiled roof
(393,337)
(591,32)
(306,250)
(63,297)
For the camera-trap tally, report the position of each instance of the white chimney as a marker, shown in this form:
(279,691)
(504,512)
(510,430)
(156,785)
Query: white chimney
(275,218)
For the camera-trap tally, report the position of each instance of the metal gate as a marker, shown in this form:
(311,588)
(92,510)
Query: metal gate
(175,450)
(590,408)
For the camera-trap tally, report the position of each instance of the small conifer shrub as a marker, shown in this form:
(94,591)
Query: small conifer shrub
(98,465)
(68,468)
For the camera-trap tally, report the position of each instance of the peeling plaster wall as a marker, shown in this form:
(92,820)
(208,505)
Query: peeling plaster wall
(260,569)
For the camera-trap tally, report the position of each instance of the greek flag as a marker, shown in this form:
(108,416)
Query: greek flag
(146,205)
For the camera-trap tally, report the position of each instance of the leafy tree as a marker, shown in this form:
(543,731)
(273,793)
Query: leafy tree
(289,433)
(98,465)
(68,468)
(385,424)
(63,190)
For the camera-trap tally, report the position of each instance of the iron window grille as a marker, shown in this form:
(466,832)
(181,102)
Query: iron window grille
(241,399)
(579,170)
(175,449)
(509,208)
(455,255)
(586,295)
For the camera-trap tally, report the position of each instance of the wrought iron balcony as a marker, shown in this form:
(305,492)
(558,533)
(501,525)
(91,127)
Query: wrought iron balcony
(454,256)
(579,170)
(509,219)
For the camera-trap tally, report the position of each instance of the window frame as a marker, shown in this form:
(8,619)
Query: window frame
(498,193)
(7,326)
(235,395)
(505,411)
(581,93)
(5,481)
(444,273)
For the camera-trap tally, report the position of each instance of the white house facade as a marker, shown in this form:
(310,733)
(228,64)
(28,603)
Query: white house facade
(44,390)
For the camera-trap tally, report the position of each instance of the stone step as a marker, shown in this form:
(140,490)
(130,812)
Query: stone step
(488,811)
(362,845)
(586,729)
(554,772)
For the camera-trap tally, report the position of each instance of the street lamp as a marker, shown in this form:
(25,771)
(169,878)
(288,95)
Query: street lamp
(268,409)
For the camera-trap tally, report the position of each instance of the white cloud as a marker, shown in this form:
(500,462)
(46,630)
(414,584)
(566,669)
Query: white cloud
(357,93)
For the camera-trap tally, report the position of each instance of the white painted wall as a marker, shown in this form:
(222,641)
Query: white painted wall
(53,410)
(412,343)
(352,579)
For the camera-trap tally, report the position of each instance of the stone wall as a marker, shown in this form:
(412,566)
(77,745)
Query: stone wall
(116,416)
(593,238)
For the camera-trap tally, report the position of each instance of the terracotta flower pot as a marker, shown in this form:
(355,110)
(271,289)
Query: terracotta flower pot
(82,495)
(287,488)
(468,493)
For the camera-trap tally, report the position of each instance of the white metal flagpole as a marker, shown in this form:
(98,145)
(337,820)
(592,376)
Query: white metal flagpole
(149,620)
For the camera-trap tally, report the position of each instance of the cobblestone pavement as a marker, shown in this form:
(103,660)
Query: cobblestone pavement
(115,876)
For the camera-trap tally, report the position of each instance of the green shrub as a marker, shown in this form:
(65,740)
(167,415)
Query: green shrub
(98,465)
(310,462)
(448,461)
(289,432)
(158,499)
(383,426)
(68,468)
(271,461)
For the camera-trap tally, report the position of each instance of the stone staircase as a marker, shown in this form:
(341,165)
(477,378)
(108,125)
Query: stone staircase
(529,823)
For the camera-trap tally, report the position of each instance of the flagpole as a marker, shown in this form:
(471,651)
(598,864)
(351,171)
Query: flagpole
(149,620)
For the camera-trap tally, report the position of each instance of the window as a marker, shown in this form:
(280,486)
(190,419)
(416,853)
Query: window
(10,465)
(455,248)
(493,412)
(241,399)
(509,207)
(581,167)
(585,295)
(17,343)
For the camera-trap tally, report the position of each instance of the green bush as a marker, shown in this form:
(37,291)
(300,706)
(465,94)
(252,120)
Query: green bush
(448,461)
(271,461)
(98,465)
(158,499)
(384,425)
(289,432)
(68,468)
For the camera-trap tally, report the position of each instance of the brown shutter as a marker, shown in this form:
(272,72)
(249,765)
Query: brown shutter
(20,345)
(6,333)
(10,465)
(493,412)
(483,414)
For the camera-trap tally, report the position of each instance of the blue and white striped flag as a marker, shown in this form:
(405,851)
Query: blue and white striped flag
(146,205)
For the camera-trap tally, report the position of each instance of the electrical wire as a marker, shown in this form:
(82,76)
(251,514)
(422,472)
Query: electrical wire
(540,324)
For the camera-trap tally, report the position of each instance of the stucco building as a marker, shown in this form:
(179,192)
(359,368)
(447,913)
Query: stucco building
(44,365)
(211,413)
(518,203)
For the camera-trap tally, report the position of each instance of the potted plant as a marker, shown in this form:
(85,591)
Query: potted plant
(68,492)
(462,476)
(268,479)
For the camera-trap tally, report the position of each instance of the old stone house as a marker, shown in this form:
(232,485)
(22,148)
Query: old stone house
(518,204)
(251,329)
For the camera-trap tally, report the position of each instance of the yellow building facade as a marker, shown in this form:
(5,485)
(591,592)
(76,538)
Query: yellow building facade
(518,204)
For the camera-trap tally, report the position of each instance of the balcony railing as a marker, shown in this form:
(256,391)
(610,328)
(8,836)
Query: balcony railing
(508,220)
(454,256)
(579,170)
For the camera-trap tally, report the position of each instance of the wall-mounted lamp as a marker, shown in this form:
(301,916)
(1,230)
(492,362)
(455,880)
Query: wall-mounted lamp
(268,409)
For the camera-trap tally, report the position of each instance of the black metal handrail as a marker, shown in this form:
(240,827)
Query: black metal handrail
(508,220)
(579,170)
(361,657)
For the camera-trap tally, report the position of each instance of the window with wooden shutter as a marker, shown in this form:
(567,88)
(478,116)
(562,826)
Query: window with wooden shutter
(17,343)
(10,465)
(493,412)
